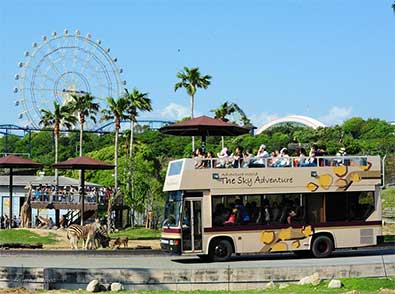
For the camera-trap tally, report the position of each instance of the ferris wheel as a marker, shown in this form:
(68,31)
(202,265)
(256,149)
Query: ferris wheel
(63,65)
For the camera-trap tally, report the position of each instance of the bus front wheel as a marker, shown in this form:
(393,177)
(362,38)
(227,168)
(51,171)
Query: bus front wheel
(220,250)
(322,246)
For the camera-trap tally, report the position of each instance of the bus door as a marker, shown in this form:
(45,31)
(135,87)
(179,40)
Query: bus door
(192,225)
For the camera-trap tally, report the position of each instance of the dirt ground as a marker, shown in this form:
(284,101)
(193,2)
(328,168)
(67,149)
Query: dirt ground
(63,242)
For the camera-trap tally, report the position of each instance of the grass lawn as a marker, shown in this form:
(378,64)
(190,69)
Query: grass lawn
(388,197)
(25,236)
(362,286)
(351,286)
(138,233)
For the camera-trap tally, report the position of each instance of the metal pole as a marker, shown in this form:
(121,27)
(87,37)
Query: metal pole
(204,143)
(6,142)
(10,201)
(82,195)
(29,143)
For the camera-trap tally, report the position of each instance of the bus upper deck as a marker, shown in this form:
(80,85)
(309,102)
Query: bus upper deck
(329,174)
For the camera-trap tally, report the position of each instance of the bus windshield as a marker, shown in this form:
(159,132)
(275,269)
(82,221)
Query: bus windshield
(172,209)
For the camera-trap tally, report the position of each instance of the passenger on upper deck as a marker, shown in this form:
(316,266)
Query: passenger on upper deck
(312,154)
(238,157)
(302,161)
(248,158)
(260,157)
(224,158)
(199,155)
(283,160)
(209,162)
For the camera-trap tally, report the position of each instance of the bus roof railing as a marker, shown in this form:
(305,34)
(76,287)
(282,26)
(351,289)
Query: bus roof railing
(280,162)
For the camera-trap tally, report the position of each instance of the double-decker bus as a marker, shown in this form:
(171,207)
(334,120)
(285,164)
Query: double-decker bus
(215,212)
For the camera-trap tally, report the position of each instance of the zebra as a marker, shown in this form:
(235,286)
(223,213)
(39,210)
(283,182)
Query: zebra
(87,233)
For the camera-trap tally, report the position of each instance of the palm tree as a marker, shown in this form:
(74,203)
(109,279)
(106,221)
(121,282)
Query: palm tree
(137,101)
(116,110)
(84,106)
(190,80)
(61,116)
(222,112)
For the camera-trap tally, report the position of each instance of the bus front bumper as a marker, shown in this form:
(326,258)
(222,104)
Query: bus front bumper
(172,246)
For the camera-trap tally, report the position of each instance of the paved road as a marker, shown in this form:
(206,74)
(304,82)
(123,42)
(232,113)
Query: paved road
(148,261)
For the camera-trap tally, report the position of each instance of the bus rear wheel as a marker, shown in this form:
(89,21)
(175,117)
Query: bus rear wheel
(220,250)
(322,246)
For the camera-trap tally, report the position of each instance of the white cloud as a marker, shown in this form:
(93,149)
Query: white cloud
(171,112)
(174,111)
(259,120)
(336,115)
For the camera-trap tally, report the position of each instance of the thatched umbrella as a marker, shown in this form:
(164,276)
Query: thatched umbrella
(204,126)
(11,162)
(83,163)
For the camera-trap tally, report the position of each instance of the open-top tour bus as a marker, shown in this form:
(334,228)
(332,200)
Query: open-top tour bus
(216,212)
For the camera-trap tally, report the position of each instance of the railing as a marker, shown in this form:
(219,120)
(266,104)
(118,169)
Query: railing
(71,198)
(280,162)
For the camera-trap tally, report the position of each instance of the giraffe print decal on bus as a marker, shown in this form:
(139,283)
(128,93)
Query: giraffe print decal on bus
(285,239)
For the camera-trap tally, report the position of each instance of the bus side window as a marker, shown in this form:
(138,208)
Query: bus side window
(361,205)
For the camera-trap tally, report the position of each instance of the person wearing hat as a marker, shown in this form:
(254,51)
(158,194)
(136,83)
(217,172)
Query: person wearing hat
(224,157)
(262,153)
(259,160)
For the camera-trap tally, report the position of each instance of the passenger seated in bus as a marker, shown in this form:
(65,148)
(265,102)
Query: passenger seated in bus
(291,215)
(243,216)
(276,212)
(221,214)
(238,157)
(232,217)
(284,207)
(266,214)
(253,211)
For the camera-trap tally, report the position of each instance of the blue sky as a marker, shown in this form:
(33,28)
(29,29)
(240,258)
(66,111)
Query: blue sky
(327,59)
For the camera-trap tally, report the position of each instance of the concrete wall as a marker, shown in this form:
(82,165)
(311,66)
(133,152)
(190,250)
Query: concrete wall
(181,279)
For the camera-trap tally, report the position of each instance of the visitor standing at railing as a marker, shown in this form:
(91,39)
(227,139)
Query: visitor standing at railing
(238,157)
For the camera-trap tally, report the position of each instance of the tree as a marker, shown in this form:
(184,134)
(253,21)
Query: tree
(84,106)
(137,101)
(61,116)
(354,126)
(190,80)
(222,112)
(117,111)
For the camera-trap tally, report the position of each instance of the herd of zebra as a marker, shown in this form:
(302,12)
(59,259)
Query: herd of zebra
(93,235)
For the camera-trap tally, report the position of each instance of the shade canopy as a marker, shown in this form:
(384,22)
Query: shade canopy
(13,161)
(204,126)
(83,162)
